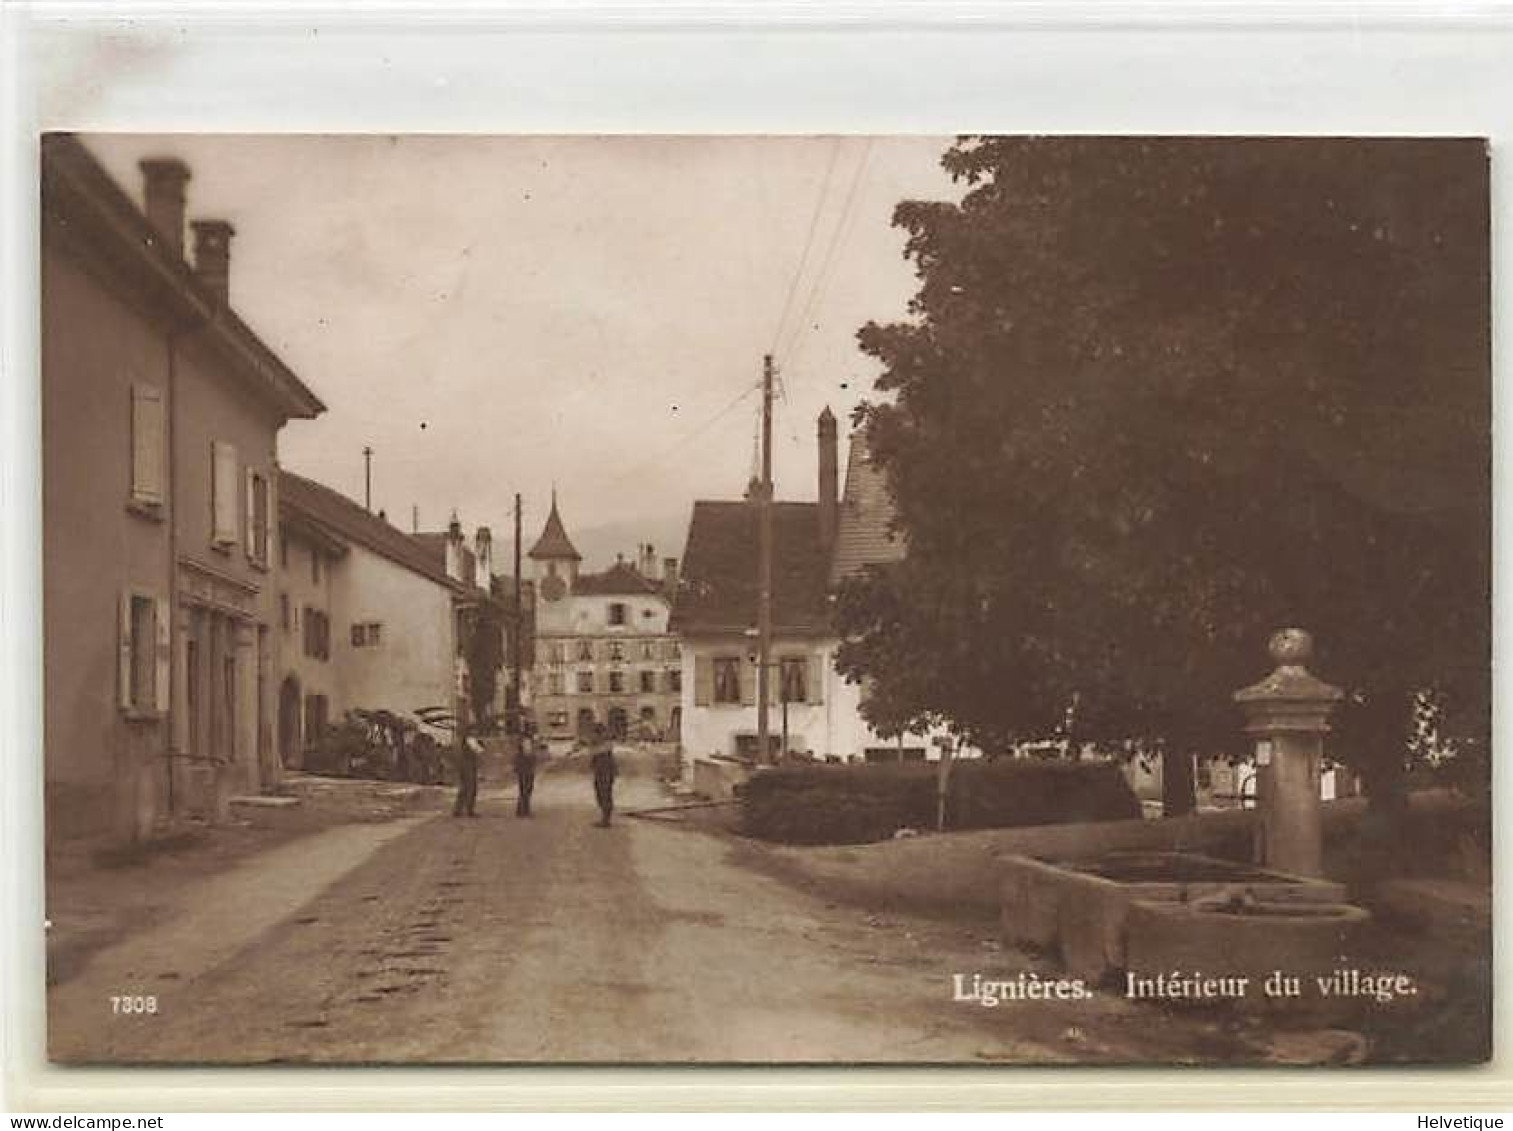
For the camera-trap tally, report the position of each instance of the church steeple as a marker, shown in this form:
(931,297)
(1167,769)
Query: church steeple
(554,544)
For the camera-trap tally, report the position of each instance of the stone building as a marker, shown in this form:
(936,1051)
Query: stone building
(816,546)
(160,415)
(376,620)
(603,653)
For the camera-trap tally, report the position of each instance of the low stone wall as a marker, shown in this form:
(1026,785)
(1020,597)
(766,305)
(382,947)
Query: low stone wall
(716,779)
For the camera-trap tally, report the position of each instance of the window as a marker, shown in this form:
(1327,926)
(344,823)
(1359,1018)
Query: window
(585,650)
(556,684)
(649,715)
(616,612)
(283,611)
(558,653)
(585,683)
(795,679)
(670,650)
(556,718)
(674,679)
(148,450)
(616,651)
(144,654)
(616,683)
(223,489)
(727,679)
(367,635)
(315,565)
(648,682)
(317,635)
(283,549)
(646,650)
(257,517)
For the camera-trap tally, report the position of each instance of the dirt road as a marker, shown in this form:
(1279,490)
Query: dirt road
(507,940)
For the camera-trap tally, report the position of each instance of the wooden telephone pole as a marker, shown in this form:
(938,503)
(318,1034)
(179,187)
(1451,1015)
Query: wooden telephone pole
(517,623)
(764,570)
(367,478)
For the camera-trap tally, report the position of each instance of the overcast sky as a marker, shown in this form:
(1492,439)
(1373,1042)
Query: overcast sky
(500,314)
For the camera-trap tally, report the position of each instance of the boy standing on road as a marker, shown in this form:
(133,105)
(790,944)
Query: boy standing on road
(604,776)
(525,775)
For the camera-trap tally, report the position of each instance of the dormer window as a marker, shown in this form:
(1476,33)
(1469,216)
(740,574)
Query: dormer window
(616,613)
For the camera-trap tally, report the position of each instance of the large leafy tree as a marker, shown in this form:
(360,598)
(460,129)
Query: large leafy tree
(1158,397)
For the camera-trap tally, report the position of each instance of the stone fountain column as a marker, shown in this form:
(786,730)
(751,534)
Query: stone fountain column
(1288,714)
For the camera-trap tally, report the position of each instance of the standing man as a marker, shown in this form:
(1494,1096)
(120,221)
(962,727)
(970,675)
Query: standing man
(604,775)
(525,774)
(467,778)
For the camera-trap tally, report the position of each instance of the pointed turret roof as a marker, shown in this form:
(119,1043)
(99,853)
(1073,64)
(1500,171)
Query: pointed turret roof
(554,542)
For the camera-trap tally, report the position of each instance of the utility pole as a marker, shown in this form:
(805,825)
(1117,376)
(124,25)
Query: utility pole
(764,569)
(367,478)
(518,621)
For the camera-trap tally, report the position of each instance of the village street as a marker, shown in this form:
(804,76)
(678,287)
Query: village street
(497,939)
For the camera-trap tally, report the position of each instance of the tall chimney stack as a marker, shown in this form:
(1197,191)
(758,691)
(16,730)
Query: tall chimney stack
(212,256)
(829,478)
(163,180)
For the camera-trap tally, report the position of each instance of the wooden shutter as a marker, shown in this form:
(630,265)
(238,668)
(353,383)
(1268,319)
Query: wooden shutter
(816,686)
(223,493)
(703,680)
(250,539)
(147,444)
(162,654)
(124,653)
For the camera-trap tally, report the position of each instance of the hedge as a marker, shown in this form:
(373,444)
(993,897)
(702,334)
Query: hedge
(856,804)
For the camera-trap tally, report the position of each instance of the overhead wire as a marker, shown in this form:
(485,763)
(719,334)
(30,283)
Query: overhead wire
(814,219)
(838,236)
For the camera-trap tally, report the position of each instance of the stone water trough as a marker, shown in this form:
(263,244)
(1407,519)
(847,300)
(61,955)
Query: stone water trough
(1160,911)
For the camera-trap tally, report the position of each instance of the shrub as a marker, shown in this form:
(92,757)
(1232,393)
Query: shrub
(855,804)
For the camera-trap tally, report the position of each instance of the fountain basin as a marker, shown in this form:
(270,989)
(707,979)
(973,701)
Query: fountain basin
(1081,907)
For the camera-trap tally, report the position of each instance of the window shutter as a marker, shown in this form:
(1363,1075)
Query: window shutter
(747,680)
(703,680)
(123,654)
(147,444)
(250,541)
(162,654)
(223,493)
(816,686)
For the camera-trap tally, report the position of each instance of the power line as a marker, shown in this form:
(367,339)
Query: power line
(814,220)
(838,237)
(658,457)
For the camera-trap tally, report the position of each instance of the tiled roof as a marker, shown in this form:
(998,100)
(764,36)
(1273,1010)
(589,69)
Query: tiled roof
(863,535)
(618,578)
(554,542)
(717,590)
(345,519)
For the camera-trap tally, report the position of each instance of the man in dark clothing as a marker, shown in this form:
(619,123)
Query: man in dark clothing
(604,778)
(525,776)
(467,778)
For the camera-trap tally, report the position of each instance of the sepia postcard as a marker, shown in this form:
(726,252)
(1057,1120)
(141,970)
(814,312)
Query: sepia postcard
(981,600)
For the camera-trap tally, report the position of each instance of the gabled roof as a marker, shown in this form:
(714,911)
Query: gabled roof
(863,533)
(554,542)
(344,519)
(717,590)
(434,543)
(620,578)
(82,200)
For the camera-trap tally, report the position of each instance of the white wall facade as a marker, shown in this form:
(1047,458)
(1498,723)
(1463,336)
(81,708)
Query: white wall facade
(414,663)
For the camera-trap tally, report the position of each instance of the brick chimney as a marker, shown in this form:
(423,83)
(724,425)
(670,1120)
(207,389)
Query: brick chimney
(212,256)
(829,478)
(163,181)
